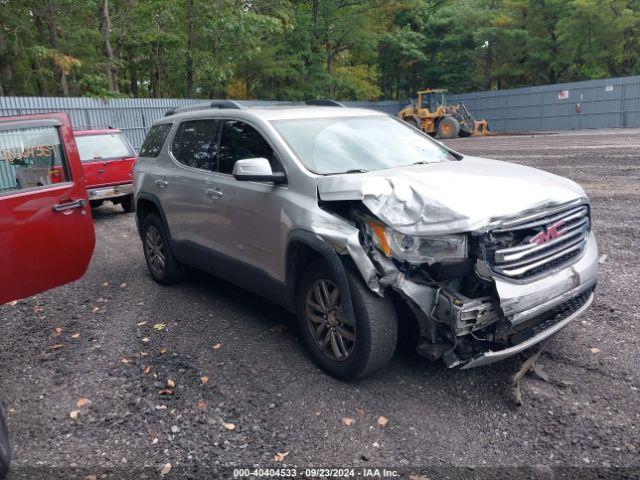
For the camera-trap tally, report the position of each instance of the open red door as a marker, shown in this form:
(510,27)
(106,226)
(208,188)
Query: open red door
(46,229)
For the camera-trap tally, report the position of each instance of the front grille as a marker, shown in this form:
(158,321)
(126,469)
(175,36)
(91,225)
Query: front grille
(522,331)
(529,246)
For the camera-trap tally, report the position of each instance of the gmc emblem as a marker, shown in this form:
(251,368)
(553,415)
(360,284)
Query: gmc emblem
(552,232)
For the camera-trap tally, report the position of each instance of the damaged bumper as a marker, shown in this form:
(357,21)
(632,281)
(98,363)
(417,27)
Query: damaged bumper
(495,356)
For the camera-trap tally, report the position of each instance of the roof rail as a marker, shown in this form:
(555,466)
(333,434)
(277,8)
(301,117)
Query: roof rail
(221,104)
(93,127)
(325,102)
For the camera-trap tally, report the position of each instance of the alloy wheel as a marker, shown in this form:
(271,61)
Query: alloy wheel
(333,334)
(155,250)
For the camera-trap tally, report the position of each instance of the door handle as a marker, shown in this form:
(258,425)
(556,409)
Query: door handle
(162,183)
(214,193)
(61,207)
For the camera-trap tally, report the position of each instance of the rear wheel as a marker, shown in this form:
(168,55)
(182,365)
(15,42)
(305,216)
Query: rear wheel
(343,347)
(448,127)
(5,451)
(128,205)
(162,265)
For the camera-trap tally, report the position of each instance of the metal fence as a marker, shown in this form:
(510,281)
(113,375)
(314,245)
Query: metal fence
(133,115)
(607,103)
(611,102)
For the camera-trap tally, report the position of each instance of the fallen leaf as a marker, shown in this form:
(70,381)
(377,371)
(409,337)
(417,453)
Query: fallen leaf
(360,411)
(165,391)
(105,284)
(75,335)
(90,477)
(161,407)
(145,339)
(57,331)
(347,421)
(147,370)
(204,379)
(13,303)
(202,405)
(229,426)
(126,361)
(595,350)
(280,456)
(74,414)
(123,285)
(171,383)
(141,323)
(165,470)
(382,421)
(143,354)
(95,309)
(418,477)
(154,441)
(37,309)
(279,328)
(217,346)
(57,346)
(163,351)
(160,326)
(82,402)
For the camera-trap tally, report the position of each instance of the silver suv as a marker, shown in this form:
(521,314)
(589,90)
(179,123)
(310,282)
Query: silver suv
(363,225)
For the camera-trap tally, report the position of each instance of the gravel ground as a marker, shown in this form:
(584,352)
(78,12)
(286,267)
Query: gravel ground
(585,420)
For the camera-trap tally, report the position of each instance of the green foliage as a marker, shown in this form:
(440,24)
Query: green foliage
(300,49)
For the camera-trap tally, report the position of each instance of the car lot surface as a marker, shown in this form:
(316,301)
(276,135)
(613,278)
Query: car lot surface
(260,380)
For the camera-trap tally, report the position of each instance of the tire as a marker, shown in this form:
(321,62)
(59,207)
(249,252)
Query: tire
(448,127)
(374,334)
(128,204)
(464,133)
(5,450)
(162,265)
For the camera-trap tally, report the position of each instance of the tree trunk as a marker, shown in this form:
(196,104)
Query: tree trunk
(7,69)
(330,60)
(133,75)
(105,27)
(314,17)
(190,35)
(53,40)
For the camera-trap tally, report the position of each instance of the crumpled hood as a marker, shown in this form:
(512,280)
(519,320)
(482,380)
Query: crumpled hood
(449,197)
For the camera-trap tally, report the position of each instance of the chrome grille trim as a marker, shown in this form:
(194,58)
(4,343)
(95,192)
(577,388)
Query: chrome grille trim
(527,260)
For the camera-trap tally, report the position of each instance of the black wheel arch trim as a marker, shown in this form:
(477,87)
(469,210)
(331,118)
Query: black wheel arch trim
(333,260)
(150,197)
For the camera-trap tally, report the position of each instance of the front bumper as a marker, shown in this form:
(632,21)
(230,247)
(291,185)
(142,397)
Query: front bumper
(107,193)
(495,356)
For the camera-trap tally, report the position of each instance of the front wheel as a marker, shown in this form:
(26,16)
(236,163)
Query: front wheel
(448,127)
(343,347)
(5,451)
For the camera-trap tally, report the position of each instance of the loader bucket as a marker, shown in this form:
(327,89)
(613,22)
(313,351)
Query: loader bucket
(481,127)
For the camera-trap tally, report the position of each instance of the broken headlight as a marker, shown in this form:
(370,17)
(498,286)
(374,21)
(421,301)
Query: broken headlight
(416,249)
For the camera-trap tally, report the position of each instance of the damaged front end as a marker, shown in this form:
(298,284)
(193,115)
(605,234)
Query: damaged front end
(486,294)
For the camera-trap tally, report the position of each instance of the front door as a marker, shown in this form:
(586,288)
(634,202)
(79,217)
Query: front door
(244,219)
(46,229)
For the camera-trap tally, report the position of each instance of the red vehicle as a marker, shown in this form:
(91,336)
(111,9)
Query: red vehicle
(43,209)
(108,159)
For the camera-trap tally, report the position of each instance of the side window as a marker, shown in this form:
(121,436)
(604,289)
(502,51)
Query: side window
(240,141)
(154,140)
(31,157)
(195,144)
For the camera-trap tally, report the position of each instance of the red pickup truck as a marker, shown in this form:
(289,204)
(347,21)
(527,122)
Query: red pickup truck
(107,159)
(44,208)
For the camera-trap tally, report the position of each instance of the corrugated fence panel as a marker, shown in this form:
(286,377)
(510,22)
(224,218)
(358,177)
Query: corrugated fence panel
(613,102)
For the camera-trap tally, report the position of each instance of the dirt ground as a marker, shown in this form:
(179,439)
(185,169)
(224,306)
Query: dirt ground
(584,422)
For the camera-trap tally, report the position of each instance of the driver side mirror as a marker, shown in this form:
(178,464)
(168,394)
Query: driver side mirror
(257,170)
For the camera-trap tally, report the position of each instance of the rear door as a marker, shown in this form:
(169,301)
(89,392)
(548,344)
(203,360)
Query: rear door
(107,158)
(46,229)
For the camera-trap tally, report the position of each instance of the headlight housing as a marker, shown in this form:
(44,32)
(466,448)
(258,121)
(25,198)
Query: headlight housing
(417,249)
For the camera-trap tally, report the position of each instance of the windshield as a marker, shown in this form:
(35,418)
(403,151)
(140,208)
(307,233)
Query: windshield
(102,147)
(355,144)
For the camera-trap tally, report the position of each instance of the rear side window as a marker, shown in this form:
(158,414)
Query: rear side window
(195,144)
(241,141)
(154,140)
(102,147)
(31,157)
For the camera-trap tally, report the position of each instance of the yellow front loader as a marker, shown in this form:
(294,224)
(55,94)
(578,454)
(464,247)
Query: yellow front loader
(434,116)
